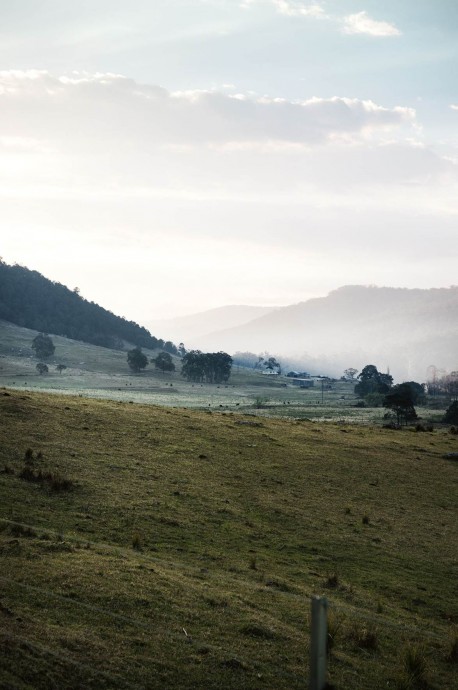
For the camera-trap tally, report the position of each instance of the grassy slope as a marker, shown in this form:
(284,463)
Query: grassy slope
(237,525)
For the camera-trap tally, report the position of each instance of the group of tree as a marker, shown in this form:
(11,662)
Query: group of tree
(30,300)
(441,383)
(43,346)
(372,381)
(206,367)
(262,362)
(137,360)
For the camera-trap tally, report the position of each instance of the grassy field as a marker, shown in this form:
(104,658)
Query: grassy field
(152,547)
(101,373)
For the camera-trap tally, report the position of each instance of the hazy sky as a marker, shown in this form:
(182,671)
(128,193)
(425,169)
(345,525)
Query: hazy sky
(170,156)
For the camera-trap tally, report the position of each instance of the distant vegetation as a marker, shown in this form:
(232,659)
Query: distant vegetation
(30,300)
(208,367)
(137,360)
(43,346)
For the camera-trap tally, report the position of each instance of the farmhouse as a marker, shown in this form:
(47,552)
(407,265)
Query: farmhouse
(303,383)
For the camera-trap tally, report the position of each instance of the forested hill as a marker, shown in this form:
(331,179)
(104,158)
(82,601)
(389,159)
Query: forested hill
(29,299)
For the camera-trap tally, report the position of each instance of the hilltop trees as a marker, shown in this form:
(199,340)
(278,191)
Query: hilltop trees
(208,367)
(43,346)
(30,300)
(136,359)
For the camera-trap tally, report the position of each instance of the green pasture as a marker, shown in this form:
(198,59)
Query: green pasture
(144,546)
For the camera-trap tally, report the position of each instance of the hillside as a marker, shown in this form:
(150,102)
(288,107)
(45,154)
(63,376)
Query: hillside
(405,330)
(29,299)
(178,549)
(194,328)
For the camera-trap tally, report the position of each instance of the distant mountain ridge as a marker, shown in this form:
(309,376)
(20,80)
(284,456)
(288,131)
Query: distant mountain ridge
(201,324)
(30,300)
(404,329)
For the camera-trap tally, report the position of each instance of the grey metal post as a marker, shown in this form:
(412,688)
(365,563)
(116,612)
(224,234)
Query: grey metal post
(318,640)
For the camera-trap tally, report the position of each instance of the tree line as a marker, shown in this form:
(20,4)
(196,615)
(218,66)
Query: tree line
(30,300)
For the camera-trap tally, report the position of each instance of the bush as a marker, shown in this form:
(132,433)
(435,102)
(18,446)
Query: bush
(451,414)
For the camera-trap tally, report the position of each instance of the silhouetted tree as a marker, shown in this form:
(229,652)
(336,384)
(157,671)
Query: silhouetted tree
(451,414)
(136,359)
(400,400)
(60,368)
(42,368)
(43,346)
(372,381)
(350,373)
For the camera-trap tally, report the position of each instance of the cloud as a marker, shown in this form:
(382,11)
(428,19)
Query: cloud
(453,106)
(298,9)
(358,23)
(93,110)
(361,23)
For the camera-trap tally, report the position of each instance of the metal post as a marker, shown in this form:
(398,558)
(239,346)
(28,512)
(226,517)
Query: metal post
(318,643)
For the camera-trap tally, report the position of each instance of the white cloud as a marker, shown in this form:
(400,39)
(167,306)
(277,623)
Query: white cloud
(292,8)
(453,106)
(361,23)
(93,110)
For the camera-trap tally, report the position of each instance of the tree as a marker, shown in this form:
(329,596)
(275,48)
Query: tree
(170,347)
(272,365)
(400,400)
(42,368)
(136,359)
(372,381)
(182,350)
(451,414)
(417,390)
(164,362)
(350,373)
(43,346)
(60,368)
(208,367)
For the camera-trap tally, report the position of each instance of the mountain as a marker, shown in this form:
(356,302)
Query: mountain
(403,329)
(195,328)
(30,300)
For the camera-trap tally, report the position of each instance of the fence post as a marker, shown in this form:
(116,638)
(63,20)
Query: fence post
(318,643)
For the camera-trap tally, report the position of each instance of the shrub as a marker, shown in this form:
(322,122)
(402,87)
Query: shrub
(414,667)
(137,542)
(364,638)
(451,414)
(332,581)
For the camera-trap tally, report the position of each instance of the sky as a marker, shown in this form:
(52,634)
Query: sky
(173,156)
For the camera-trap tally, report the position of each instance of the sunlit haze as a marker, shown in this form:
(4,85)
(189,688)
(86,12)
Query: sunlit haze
(173,156)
